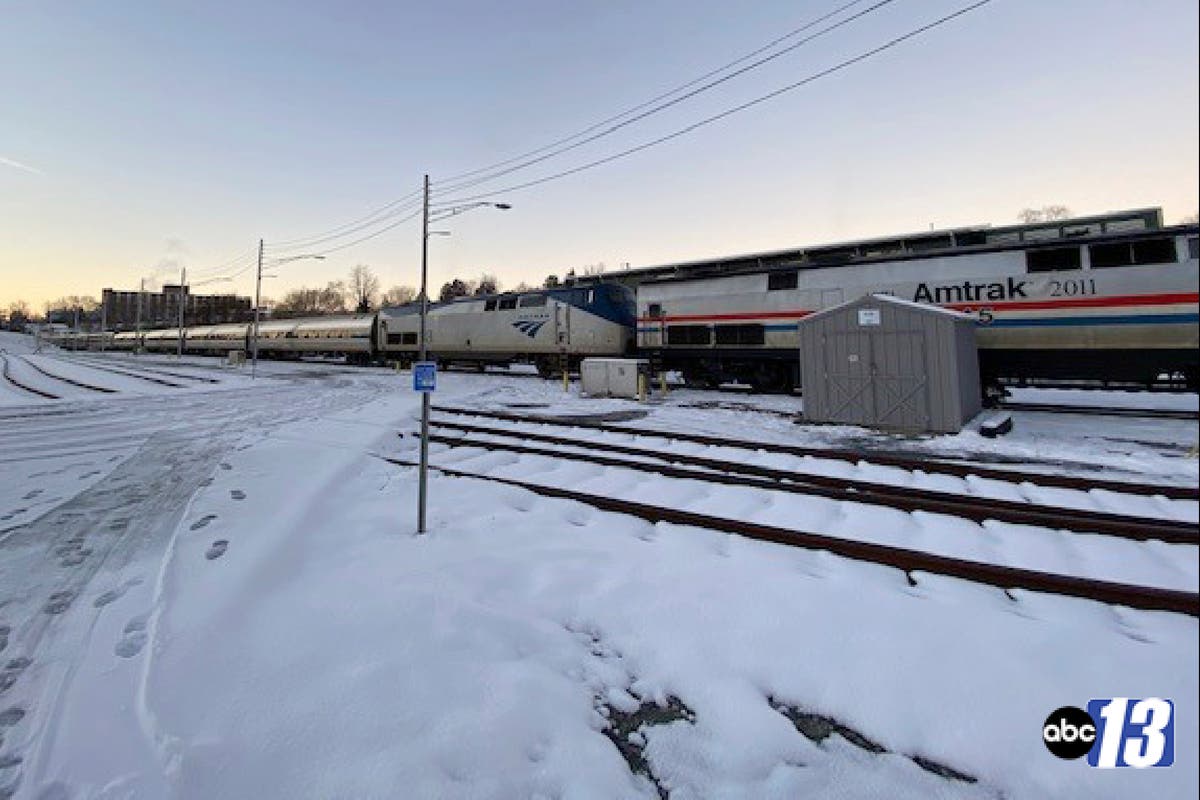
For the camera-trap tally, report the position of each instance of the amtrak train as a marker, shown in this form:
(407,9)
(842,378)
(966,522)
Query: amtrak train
(1109,306)
(1110,298)
(553,329)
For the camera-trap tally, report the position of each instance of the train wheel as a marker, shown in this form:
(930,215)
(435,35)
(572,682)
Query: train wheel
(547,367)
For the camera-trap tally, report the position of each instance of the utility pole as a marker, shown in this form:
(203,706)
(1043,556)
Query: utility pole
(257,304)
(182,279)
(423,478)
(137,325)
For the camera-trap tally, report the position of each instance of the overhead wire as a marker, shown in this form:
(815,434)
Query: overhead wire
(730,111)
(397,207)
(654,109)
(657,98)
(377,216)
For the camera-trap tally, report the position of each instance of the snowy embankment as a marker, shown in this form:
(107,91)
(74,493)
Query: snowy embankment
(299,641)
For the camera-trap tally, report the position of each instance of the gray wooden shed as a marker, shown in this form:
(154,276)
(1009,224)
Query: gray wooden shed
(888,363)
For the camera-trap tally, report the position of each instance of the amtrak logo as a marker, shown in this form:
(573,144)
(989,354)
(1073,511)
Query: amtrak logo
(529,327)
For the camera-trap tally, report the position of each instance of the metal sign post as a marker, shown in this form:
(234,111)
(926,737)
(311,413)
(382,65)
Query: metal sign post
(429,376)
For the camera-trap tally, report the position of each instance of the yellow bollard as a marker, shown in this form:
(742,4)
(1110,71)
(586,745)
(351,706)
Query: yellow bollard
(641,388)
(662,381)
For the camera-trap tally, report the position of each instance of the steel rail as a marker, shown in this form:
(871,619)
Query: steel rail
(89,359)
(150,378)
(8,377)
(903,498)
(931,465)
(910,561)
(1103,411)
(71,381)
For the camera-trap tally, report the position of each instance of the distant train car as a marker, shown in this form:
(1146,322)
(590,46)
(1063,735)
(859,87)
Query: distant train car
(350,335)
(126,340)
(541,327)
(163,340)
(1113,307)
(219,339)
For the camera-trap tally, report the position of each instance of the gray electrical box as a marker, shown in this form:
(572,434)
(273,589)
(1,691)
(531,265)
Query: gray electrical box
(887,363)
(614,377)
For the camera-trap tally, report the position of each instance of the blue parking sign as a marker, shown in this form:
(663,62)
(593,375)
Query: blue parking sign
(424,376)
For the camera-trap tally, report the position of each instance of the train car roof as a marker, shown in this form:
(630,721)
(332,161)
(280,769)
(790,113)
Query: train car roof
(325,323)
(415,306)
(726,268)
(923,244)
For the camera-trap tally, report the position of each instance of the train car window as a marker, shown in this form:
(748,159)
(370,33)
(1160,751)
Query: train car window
(1154,251)
(489,305)
(689,334)
(740,334)
(1194,247)
(1058,258)
(408,338)
(1123,254)
(782,280)
(1110,255)
(533,300)
(655,310)
(508,302)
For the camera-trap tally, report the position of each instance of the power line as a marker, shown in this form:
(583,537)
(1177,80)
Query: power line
(379,232)
(731,111)
(378,215)
(657,98)
(665,105)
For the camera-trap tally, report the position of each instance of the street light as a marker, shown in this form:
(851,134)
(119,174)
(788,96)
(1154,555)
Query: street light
(440,214)
(258,296)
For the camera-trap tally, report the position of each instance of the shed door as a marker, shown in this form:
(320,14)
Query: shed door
(848,377)
(898,362)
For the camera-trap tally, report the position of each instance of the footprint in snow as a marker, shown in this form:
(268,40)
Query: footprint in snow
(226,466)
(33,494)
(4,631)
(237,494)
(206,482)
(59,602)
(11,716)
(133,638)
(203,522)
(217,549)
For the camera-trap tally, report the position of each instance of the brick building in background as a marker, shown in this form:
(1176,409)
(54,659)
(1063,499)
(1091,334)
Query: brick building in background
(161,309)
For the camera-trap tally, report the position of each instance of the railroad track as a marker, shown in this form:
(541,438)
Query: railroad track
(32,390)
(71,381)
(88,363)
(912,562)
(143,368)
(927,464)
(975,508)
(1103,411)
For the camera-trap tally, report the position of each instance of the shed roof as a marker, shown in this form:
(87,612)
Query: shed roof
(924,308)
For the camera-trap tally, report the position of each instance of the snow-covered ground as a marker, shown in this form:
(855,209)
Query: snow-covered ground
(214,590)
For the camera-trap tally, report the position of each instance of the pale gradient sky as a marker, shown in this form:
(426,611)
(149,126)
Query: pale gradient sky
(134,134)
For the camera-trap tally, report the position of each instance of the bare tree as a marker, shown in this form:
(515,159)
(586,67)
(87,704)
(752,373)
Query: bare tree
(488,284)
(522,287)
(18,314)
(1192,219)
(1048,213)
(399,295)
(364,288)
(454,288)
(305,302)
(551,282)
